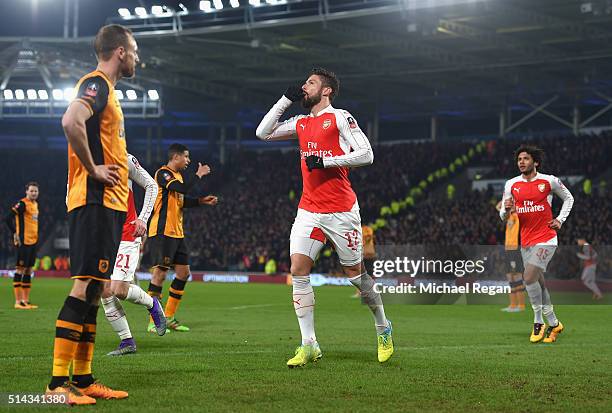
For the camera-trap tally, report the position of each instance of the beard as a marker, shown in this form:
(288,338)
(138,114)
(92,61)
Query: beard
(128,72)
(309,102)
(528,170)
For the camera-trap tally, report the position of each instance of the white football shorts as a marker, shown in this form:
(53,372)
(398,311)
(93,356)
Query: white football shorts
(126,262)
(540,254)
(310,230)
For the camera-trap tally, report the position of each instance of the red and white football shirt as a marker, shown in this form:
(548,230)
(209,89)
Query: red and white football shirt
(334,135)
(533,202)
(128,227)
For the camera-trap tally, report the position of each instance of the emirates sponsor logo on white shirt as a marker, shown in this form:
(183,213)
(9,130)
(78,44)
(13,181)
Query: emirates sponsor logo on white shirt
(529,207)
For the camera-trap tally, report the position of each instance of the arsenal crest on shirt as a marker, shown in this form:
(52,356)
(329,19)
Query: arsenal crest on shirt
(326,123)
(541,187)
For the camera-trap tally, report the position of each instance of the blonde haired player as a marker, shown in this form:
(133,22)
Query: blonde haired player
(97,204)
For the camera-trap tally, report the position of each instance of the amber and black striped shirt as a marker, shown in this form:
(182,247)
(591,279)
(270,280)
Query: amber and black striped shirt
(106,140)
(25,222)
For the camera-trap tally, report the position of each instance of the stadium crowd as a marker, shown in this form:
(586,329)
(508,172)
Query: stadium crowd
(253,220)
(564,155)
(259,193)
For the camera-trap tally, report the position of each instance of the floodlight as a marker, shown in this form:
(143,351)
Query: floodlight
(205,6)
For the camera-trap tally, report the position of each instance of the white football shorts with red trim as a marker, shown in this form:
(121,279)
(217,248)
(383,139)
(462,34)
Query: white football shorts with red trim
(310,231)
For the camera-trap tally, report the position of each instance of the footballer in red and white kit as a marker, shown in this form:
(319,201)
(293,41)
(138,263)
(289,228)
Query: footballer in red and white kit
(122,280)
(531,194)
(331,142)
(588,256)
(129,249)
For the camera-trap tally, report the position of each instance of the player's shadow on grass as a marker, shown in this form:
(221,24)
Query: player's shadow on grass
(349,355)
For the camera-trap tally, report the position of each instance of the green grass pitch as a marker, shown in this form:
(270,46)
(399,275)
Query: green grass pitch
(449,358)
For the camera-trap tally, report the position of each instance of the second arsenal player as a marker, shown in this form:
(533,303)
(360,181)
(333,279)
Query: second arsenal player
(531,194)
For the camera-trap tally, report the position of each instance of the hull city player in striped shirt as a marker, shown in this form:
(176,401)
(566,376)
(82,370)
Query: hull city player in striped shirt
(22,220)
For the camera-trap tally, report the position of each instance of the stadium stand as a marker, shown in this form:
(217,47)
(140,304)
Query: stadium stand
(259,193)
(565,155)
(253,220)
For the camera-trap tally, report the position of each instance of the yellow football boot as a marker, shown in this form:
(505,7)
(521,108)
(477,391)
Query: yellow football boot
(385,344)
(305,354)
(553,332)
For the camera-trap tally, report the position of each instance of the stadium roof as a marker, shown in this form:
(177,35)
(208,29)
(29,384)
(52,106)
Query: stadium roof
(401,58)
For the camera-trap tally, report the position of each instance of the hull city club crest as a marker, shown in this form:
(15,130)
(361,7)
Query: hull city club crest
(92,89)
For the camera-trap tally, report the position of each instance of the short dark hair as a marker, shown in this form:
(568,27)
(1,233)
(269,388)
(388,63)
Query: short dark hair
(31,183)
(109,38)
(328,79)
(536,153)
(176,149)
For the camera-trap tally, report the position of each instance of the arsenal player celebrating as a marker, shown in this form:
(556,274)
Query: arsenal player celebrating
(531,193)
(330,142)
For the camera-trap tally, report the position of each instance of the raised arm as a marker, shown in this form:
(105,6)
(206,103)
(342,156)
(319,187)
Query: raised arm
(167,181)
(270,129)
